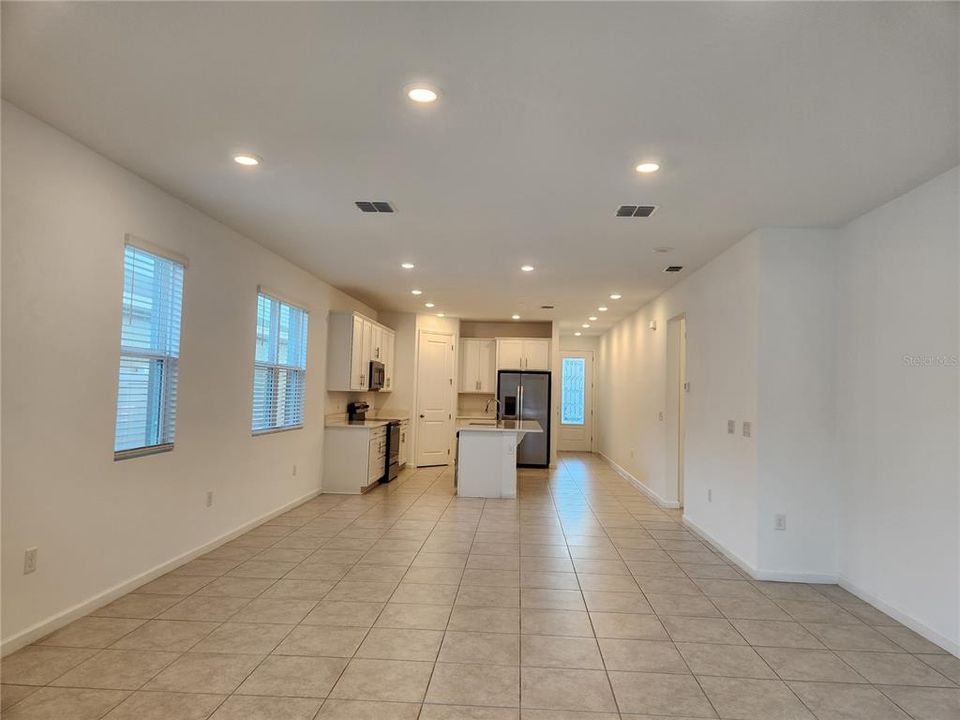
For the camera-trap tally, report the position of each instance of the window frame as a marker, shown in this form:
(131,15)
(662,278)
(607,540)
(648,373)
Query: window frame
(276,368)
(583,392)
(169,364)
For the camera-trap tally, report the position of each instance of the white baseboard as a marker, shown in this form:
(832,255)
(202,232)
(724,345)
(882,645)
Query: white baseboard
(55,622)
(759,573)
(622,472)
(951,646)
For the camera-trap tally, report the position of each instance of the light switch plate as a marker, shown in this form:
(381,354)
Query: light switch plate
(732,427)
(747,428)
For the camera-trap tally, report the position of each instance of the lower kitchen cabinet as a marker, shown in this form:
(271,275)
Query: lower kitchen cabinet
(354,458)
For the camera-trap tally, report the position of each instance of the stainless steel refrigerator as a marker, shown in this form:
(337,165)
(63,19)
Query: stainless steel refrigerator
(526,396)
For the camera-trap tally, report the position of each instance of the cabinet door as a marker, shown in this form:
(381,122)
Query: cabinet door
(375,464)
(469,378)
(367,352)
(510,354)
(487,365)
(404,427)
(376,343)
(536,354)
(388,354)
(358,368)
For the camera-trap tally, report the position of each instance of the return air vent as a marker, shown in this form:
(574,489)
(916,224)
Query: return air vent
(376,206)
(673,268)
(640,211)
(547,307)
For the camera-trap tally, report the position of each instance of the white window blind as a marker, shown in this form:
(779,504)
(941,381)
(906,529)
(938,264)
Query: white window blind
(280,365)
(149,353)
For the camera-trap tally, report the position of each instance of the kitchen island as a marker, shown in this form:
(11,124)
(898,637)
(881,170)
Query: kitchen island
(487,457)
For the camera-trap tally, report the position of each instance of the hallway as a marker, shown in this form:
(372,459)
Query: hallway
(581,596)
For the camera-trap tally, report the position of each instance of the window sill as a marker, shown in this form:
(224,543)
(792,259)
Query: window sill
(273,431)
(140,452)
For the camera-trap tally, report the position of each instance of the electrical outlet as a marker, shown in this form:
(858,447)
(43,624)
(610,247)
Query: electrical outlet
(209,498)
(779,522)
(660,416)
(747,428)
(294,470)
(709,495)
(732,427)
(30,561)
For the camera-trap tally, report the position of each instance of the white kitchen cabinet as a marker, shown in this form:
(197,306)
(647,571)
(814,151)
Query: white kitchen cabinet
(478,367)
(523,354)
(404,443)
(354,458)
(353,340)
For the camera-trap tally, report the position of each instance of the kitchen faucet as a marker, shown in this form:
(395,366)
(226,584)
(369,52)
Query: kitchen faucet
(486,408)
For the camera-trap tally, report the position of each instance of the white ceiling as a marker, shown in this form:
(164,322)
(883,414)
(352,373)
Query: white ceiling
(761,114)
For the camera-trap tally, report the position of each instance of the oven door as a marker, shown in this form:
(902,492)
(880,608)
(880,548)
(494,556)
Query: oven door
(376,375)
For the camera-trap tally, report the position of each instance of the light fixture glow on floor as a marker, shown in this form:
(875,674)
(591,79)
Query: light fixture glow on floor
(247,159)
(648,167)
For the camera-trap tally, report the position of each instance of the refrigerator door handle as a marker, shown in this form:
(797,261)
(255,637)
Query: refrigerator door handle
(520,406)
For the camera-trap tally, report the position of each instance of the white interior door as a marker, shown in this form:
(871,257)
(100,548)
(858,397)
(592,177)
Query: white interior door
(435,398)
(676,404)
(576,401)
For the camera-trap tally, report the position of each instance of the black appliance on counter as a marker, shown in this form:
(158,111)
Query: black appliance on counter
(357,411)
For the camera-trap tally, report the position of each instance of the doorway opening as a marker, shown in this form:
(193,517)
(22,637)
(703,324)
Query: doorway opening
(576,401)
(676,416)
(435,398)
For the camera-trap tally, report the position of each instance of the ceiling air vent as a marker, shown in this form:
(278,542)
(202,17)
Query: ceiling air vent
(640,211)
(673,268)
(547,307)
(377,206)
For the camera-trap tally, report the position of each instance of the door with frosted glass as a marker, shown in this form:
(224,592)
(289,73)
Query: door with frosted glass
(576,401)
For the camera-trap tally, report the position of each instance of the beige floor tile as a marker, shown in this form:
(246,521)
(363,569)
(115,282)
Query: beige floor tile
(485,619)
(818,612)
(165,706)
(116,670)
(268,610)
(835,701)
(551,599)
(203,672)
(293,589)
(61,703)
(534,714)
(262,569)
(236,587)
(92,632)
(725,661)
(434,575)
(479,647)
(910,641)
(385,680)
(335,612)
(925,703)
(947,665)
(668,586)
(420,617)
(289,676)
(137,605)
(753,699)
(12,694)
(321,640)
(688,605)
(851,637)
(202,607)
(772,633)
(345,591)
(560,652)
(565,689)
(607,583)
(658,656)
(166,635)
(547,564)
(367,710)
(628,626)
(243,638)
(175,585)
(758,608)
(486,685)
(375,573)
(424,594)
(555,622)
(657,694)
(491,578)
(493,562)
(401,644)
(894,669)
(809,665)
(240,707)
(440,560)
(479,596)
(36,665)
(624,602)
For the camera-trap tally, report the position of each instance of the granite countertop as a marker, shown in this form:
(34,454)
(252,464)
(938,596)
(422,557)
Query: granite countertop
(524,426)
(375,423)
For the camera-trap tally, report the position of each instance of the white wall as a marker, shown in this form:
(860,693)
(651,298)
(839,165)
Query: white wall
(897,423)
(99,524)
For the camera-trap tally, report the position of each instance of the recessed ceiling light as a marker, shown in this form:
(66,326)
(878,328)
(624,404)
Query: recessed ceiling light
(247,159)
(616,296)
(417,292)
(515,317)
(407,266)
(592,318)
(585,325)
(663,249)
(578,333)
(648,167)
(440,315)
(527,268)
(421,93)
(602,308)
(429,305)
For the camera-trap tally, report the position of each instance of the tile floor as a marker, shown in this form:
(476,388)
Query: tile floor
(579,600)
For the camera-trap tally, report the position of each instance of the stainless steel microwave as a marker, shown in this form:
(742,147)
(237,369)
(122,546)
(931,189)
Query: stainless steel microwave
(376,375)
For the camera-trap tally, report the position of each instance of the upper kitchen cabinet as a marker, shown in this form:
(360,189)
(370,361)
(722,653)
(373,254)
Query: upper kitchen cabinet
(523,354)
(353,340)
(478,365)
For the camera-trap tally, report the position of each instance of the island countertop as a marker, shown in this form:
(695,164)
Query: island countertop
(505,426)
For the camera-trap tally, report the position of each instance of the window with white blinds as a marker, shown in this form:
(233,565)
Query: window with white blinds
(280,365)
(149,353)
